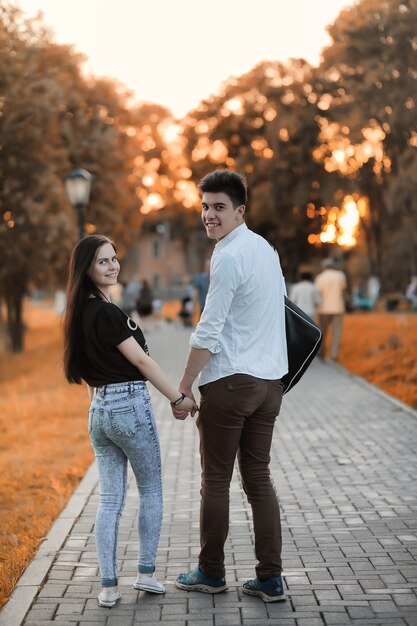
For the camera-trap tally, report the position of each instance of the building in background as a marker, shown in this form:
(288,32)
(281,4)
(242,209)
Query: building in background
(166,257)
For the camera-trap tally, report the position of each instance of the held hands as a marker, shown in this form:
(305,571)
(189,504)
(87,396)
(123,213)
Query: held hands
(188,405)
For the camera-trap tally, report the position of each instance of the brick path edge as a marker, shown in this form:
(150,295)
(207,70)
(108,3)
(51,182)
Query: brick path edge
(31,581)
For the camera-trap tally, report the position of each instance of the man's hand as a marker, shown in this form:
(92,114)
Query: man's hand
(189,394)
(188,405)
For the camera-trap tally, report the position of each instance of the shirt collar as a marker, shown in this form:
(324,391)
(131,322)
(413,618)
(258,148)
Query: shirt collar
(232,235)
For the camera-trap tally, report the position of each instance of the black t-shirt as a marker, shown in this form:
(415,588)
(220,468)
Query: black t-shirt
(105,326)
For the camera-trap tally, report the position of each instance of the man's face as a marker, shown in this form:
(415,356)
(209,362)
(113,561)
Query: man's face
(218,214)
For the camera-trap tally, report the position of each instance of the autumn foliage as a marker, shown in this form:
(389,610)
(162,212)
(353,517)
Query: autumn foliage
(382,348)
(44,446)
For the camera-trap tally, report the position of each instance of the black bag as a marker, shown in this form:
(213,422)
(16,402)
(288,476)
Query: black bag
(303,342)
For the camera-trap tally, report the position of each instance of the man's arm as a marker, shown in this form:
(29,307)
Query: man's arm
(197,358)
(205,340)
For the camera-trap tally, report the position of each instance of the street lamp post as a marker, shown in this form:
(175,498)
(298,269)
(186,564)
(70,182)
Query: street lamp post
(78,185)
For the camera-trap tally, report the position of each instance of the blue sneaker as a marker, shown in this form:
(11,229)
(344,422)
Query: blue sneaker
(270,590)
(198,581)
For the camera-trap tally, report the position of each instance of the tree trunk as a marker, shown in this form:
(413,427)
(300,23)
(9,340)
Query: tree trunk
(4,335)
(374,268)
(375,222)
(14,319)
(413,252)
(412,240)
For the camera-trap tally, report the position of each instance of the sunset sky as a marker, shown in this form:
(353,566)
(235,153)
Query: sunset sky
(178,52)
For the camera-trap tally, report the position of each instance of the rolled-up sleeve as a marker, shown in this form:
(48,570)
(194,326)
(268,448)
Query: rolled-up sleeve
(224,281)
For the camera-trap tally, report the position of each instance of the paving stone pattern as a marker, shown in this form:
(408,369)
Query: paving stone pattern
(344,465)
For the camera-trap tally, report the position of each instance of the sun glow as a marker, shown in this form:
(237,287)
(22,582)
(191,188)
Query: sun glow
(235,105)
(153,202)
(171,133)
(342,224)
(348,223)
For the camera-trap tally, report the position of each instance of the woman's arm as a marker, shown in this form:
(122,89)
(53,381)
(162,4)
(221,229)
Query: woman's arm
(132,351)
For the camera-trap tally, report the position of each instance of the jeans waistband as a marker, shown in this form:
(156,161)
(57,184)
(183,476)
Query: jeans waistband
(118,389)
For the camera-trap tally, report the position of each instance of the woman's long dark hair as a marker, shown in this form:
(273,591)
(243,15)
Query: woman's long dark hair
(79,288)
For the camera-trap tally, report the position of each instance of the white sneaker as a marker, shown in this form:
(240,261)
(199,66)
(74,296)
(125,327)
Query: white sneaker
(108,597)
(148,582)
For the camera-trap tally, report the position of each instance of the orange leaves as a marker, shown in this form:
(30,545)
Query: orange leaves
(44,444)
(382,347)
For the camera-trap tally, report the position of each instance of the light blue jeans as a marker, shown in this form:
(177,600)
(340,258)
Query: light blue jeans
(122,428)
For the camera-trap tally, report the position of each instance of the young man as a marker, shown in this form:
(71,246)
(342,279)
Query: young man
(239,347)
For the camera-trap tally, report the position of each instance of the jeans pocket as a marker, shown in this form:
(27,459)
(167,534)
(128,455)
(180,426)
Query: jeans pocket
(124,420)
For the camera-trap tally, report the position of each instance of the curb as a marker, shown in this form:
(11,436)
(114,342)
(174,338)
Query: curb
(29,584)
(376,390)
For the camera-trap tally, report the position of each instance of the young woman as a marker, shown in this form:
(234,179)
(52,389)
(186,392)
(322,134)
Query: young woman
(105,348)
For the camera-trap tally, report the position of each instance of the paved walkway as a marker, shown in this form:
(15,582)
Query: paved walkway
(344,464)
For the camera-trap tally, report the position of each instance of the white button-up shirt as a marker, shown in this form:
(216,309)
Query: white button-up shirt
(243,322)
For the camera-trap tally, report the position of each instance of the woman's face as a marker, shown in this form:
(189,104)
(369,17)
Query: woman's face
(105,268)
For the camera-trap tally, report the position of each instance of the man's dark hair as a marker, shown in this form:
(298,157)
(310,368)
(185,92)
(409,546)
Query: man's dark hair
(224,181)
(306,276)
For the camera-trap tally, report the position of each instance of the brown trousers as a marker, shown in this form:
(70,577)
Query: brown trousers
(236,418)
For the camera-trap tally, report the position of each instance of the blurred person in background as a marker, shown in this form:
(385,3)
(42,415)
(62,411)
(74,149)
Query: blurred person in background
(411,292)
(187,310)
(144,305)
(331,284)
(306,295)
(106,348)
(201,283)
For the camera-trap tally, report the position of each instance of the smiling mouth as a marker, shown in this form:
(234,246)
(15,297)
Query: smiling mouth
(111,275)
(211,224)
